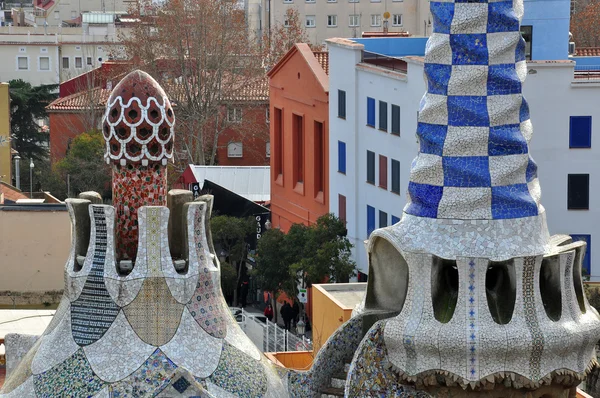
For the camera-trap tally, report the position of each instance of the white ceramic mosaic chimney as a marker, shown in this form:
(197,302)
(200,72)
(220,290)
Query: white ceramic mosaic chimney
(486,298)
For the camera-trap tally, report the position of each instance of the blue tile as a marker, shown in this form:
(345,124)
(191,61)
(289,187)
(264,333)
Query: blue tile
(438,77)
(503,80)
(469,49)
(524,111)
(502,18)
(520,50)
(512,201)
(431,138)
(424,199)
(468,111)
(466,171)
(531,173)
(442,13)
(506,140)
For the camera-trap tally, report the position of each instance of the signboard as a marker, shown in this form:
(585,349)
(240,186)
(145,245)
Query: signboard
(195,188)
(303,296)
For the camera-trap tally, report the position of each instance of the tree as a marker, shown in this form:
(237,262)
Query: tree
(585,25)
(84,163)
(230,235)
(201,54)
(27,106)
(305,255)
(282,37)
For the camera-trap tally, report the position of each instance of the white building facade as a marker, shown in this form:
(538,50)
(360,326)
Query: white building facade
(370,160)
(324,19)
(53,55)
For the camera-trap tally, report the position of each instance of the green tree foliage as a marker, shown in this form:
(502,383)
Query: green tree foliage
(228,281)
(27,105)
(310,254)
(230,235)
(85,165)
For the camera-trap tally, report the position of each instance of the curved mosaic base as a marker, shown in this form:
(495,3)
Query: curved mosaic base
(152,333)
(497,240)
(473,348)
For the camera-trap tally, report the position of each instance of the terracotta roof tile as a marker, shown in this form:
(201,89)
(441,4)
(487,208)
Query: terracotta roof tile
(257,90)
(10,192)
(81,100)
(587,51)
(323,58)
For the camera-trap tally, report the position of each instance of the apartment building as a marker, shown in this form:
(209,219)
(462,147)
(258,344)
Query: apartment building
(68,12)
(324,19)
(51,55)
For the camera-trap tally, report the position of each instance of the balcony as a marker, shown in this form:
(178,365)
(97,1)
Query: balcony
(384,61)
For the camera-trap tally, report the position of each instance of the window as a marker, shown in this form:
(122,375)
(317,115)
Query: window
(580,132)
(332,1)
(78,62)
(268,150)
(587,260)
(370,112)
(22,63)
(44,50)
(375,20)
(310,1)
(310,21)
(370,167)
(298,148)
(527,33)
(341,104)
(331,20)
(57,15)
(73,14)
(267,115)
(353,1)
(354,20)
(395,219)
(286,23)
(370,220)
(319,157)
(44,63)
(278,137)
(234,115)
(342,207)
(578,196)
(397,20)
(288,1)
(382,219)
(395,176)
(395,120)
(342,157)
(89,61)
(382,115)
(235,150)
(65,62)
(383,172)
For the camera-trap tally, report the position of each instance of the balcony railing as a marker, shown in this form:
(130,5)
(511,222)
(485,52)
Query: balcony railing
(587,72)
(384,61)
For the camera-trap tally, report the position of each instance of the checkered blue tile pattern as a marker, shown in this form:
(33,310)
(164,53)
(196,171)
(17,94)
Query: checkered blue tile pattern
(473,124)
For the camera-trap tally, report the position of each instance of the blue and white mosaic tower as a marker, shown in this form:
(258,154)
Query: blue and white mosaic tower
(487,300)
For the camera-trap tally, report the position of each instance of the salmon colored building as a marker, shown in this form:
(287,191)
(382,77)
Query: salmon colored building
(299,109)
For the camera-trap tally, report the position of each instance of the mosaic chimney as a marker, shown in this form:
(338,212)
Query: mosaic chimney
(488,302)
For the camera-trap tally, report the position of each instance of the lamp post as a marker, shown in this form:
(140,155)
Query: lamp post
(18,172)
(31,178)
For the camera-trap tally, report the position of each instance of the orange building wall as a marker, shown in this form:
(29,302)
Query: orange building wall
(63,126)
(295,90)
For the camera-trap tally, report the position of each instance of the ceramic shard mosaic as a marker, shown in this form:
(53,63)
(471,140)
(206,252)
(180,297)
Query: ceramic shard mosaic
(154,330)
(491,301)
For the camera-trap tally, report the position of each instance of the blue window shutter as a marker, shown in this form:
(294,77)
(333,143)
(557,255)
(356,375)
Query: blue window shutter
(580,132)
(342,157)
(395,219)
(370,220)
(370,111)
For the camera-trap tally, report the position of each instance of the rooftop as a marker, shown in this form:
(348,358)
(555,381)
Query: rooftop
(8,192)
(250,182)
